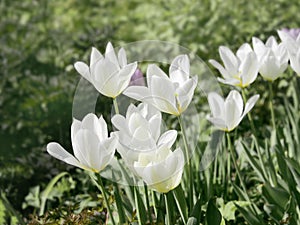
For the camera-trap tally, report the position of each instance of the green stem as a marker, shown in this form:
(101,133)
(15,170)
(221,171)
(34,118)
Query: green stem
(255,137)
(115,102)
(102,189)
(238,171)
(189,165)
(148,203)
(169,219)
(271,106)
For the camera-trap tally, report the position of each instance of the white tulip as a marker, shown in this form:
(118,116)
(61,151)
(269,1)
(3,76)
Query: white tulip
(92,147)
(139,132)
(239,70)
(161,169)
(272,57)
(110,74)
(228,113)
(292,45)
(171,94)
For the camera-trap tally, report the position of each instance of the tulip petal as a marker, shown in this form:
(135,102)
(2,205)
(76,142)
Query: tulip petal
(168,138)
(163,94)
(249,69)
(124,76)
(139,93)
(218,123)
(155,125)
(182,63)
(122,58)
(250,103)
(119,122)
(57,151)
(219,67)
(96,56)
(154,70)
(111,55)
(83,70)
(229,59)
(216,104)
(243,51)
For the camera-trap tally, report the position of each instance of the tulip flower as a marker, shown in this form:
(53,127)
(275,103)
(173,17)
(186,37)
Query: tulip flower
(293,32)
(171,94)
(228,113)
(139,132)
(293,47)
(272,57)
(161,169)
(109,74)
(239,70)
(93,149)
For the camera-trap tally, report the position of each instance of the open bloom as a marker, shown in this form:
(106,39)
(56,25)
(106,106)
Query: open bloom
(139,132)
(161,169)
(171,94)
(228,113)
(272,57)
(110,74)
(240,69)
(92,147)
(292,45)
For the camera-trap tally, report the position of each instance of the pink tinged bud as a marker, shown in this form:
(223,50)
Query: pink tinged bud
(137,79)
(293,32)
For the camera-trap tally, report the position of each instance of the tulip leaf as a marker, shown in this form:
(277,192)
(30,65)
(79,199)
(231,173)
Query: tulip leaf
(181,203)
(47,191)
(249,216)
(213,215)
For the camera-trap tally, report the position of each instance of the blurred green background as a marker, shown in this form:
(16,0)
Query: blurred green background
(40,41)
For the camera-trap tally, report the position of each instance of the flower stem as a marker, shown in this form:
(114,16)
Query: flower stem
(148,203)
(255,137)
(189,165)
(169,219)
(102,189)
(238,170)
(115,102)
(271,106)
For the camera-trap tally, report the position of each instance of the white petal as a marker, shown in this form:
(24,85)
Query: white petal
(124,76)
(239,103)
(249,69)
(243,51)
(111,55)
(122,57)
(186,93)
(168,138)
(154,70)
(250,103)
(163,94)
(55,150)
(83,70)
(229,59)
(219,67)
(105,78)
(259,47)
(119,122)
(216,104)
(139,93)
(87,144)
(180,69)
(233,81)
(232,114)
(155,125)
(96,56)
(218,122)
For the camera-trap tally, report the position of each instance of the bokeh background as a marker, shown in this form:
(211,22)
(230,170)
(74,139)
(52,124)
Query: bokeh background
(40,41)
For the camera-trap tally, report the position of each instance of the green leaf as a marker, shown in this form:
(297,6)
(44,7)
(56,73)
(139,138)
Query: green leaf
(213,215)
(181,202)
(45,194)
(249,216)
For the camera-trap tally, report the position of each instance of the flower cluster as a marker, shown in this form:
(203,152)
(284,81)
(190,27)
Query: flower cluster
(138,139)
(269,59)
